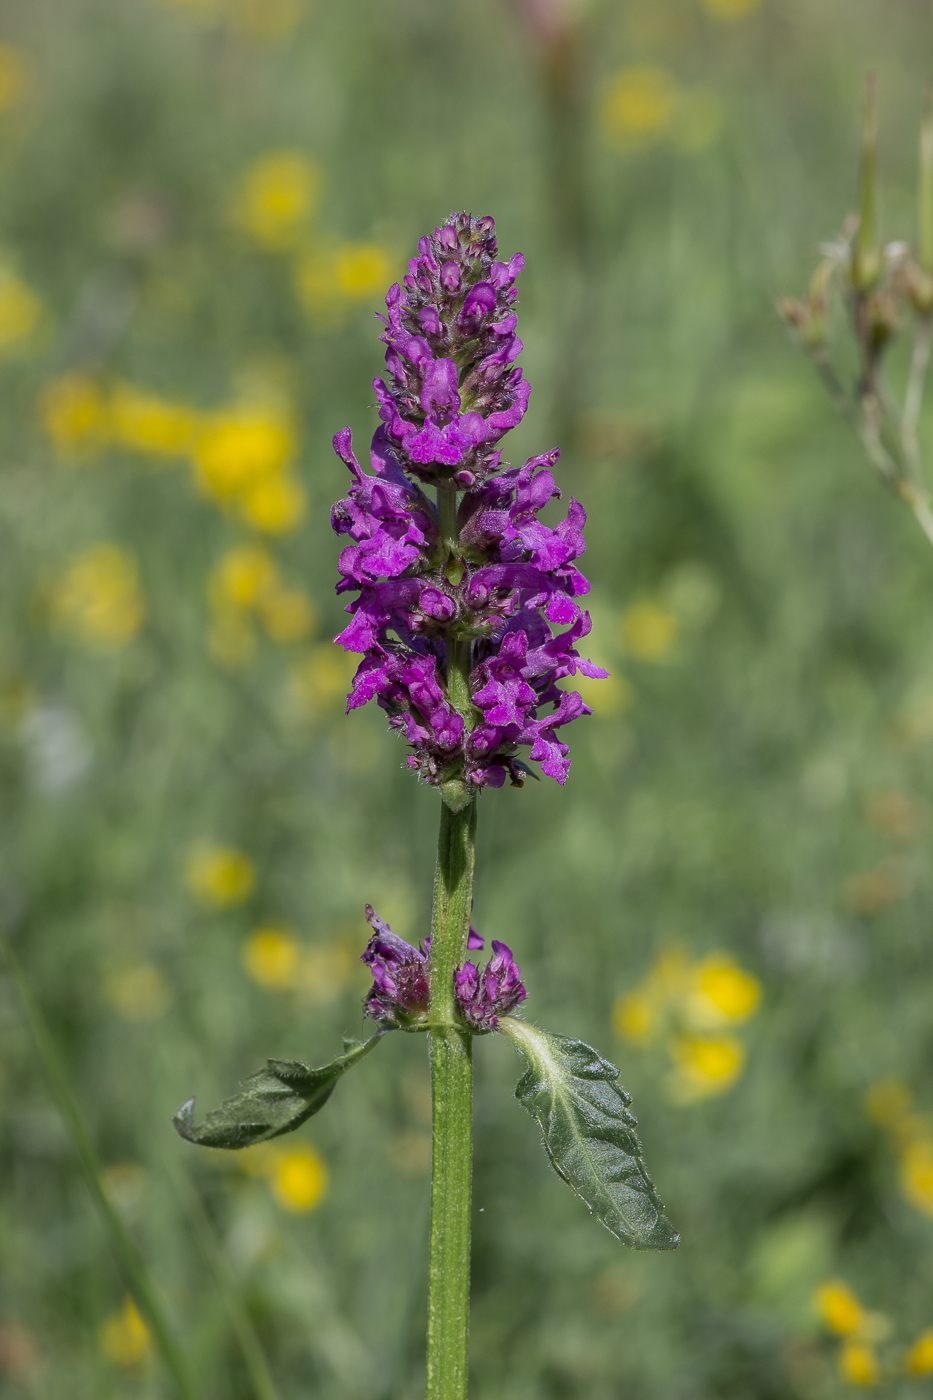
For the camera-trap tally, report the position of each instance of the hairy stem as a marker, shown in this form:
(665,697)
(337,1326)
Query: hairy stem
(137,1275)
(914,400)
(452,1097)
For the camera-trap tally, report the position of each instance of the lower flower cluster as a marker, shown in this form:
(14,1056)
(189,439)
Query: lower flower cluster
(401,987)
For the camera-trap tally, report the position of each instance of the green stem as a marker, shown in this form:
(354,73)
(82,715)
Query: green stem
(452,1097)
(137,1275)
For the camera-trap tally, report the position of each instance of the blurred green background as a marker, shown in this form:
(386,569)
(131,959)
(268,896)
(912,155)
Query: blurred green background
(203,202)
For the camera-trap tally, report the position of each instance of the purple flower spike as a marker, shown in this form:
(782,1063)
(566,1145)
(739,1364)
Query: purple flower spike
(400,990)
(484,996)
(501,587)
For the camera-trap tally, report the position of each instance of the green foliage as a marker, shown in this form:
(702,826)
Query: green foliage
(271,1102)
(589,1133)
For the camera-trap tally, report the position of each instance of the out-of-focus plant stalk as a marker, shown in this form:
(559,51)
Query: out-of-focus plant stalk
(137,1275)
(558,33)
(251,1349)
(452,1099)
(880,282)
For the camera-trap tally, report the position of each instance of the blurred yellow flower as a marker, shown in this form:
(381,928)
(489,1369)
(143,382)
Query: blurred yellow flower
(74,413)
(125,1183)
(722,992)
(270,957)
(705,1066)
(266,19)
(839,1308)
(98,597)
(242,577)
(639,107)
(220,876)
(274,506)
(16,77)
(917,1174)
(299,1179)
(635,1018)
(331,279)
(887,1101)
(326,969)
(276,197)
(321,681)
(362,269)
(146,423)
(288,615)
(238,448)
(858,1363)
(124,1337)
(20,310)
(919,1360)
(648,631)
(607,698)
(138,993)
(730,9)
(230,637)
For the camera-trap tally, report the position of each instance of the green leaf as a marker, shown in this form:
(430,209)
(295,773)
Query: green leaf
(273,1101)
(589,1133)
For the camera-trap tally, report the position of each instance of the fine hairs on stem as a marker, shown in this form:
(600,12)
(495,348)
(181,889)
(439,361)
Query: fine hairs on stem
(882,287)
(465,613)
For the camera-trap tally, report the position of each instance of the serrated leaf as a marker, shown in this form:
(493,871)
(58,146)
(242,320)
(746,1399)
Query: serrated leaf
(273,1101)
(589,1133)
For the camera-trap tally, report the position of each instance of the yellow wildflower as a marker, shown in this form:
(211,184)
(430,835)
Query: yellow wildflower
(326,969)
(242,577)
(276,197)
(266,19)
(919,1360)
(639,107)
(124,1337)
(16,77)
(220,876)
(230,638)
(320,683)
(705,1066)
(274,506)
(635,1018)
(730,9)
(271,956)
(288,615)
(607,698)
(98,597)
(669,975)
(240,447)
(146,423)
(74,413)
(20,310)
(362,270)
(839,1308)
(138,993)
(299,1180)
(888,1103)
(858,1363)
(648,631)
(124,1183)
(722,992)
(917,1174)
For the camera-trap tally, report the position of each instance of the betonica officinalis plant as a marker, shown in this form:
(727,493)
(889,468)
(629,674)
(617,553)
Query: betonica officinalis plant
(879,287)
(465,609)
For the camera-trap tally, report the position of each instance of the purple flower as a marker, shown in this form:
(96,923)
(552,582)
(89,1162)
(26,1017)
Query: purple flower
(485,995)
(401,986)
(400,990)
(505,590)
